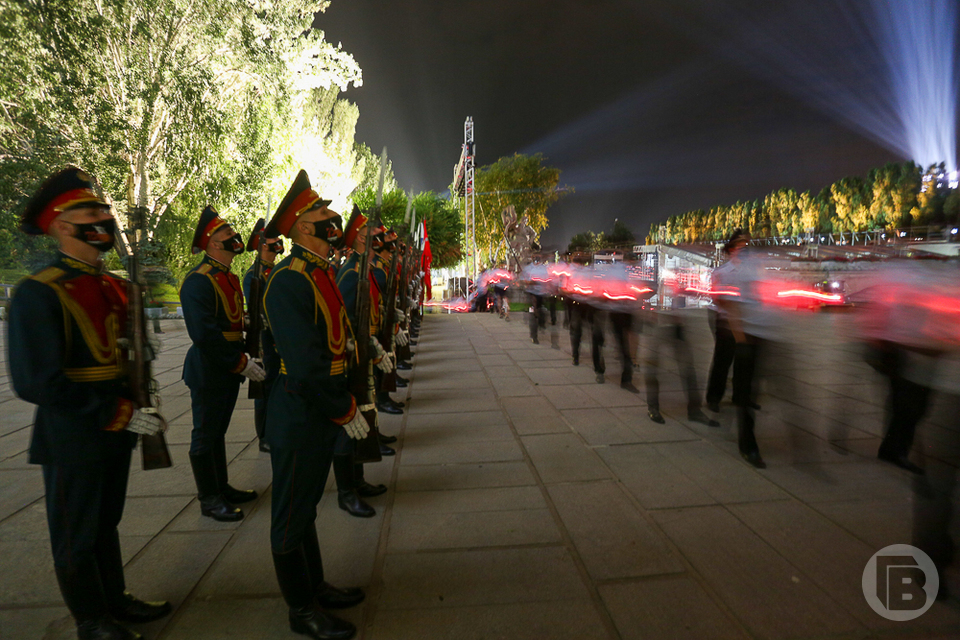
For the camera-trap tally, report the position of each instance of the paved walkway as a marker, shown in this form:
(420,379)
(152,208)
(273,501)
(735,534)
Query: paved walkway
(527,501)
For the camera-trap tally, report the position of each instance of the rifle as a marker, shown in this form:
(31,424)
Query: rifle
(153,449)
(255,312)
(389,381)
(367,449)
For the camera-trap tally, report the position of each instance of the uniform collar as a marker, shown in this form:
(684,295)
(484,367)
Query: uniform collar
(80,265)
(215,263)
(306,255)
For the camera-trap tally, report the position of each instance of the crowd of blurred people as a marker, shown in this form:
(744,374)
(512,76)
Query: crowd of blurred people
(903,313)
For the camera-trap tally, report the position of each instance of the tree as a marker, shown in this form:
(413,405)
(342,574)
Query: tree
(621,234)
(205,99)
(519,180)
(586,241)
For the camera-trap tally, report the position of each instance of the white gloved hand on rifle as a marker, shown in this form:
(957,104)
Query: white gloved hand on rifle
(253,370)
(401,316)
(380,357)
(351,345)
(146,422)
(358,427)
(402,337)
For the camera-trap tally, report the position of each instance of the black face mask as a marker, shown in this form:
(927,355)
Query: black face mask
(275,247)
(330,230)
(99,235)
(234,244)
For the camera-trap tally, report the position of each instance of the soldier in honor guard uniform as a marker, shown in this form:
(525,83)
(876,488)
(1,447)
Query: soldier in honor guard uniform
(267,253)
(385,243)
(65,322)
(215,364)
(310,405)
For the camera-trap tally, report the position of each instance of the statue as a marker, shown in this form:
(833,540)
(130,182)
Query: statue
(520,238)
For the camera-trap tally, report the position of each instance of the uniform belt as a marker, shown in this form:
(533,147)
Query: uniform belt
(336,367)
(94,374)
(233,336)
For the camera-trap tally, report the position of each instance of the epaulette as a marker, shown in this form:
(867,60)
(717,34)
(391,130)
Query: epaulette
(298,265)
(204,268)
(48,275)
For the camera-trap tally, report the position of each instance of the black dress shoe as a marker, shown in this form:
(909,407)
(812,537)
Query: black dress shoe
(330,597)
(398,404)
(401,384)
(135,611)
(654,415)
(576,361)
(313,622)
(413,343)
(105,629)
(350,502)
(600,378)
(387,439)
(714,406)
(264,447)
(387,407)
(238,496)
(702,418)
(401,379)
(386,451)
(753,457)
(217,508)
(629,386)
(367,490)
(900,461)
(403,365)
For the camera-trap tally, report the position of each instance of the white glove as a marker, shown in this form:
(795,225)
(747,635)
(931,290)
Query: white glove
(358,427)
(385,363)
(146,422)
(402,337)
(351,345)
(253,370)
(401,316)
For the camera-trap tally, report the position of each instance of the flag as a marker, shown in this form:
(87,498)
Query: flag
(425,260)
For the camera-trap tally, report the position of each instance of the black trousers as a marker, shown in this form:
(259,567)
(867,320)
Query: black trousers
(746,363)
(597,340)
(723,358)
(622,324)
(674,334)
(84,507)
(212,410)
(575,318)
(906,406)
(299,476)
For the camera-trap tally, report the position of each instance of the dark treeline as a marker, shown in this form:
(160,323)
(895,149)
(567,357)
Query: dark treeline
(893,196)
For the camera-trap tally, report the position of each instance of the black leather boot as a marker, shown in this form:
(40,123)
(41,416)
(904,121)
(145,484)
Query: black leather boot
(212,503)
(347,497)
(328,596)
(364,488)
(746,438)
(83,595)
(306,618)
(231,495)
(122,605)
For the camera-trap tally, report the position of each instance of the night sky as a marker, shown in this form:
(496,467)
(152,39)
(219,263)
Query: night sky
(636,102)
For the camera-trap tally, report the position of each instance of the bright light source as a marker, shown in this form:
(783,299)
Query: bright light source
(954,231)
(903,233)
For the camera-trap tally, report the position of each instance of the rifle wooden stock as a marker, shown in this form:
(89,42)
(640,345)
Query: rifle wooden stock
(389,380)
(361,376)
(153,449)
(255,312)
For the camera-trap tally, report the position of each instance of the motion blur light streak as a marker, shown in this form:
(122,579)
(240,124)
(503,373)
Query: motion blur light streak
(803,293)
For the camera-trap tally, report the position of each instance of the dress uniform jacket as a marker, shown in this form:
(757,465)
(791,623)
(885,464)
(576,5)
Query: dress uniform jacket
(310,400)
(64,324)
(212,301)
(271,361)
(347,279)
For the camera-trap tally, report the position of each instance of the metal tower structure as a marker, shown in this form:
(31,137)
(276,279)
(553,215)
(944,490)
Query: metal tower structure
(463,187)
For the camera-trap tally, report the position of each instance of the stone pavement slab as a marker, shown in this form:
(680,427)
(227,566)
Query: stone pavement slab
(527,501)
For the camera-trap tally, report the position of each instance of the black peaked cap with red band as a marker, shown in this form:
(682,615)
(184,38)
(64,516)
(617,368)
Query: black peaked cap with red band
(253,243)
(300,198)
(63,190)
(208,224)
